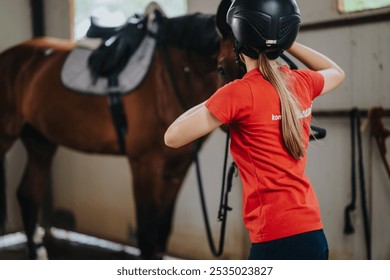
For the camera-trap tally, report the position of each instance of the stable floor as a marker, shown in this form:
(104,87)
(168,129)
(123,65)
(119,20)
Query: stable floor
(58,249)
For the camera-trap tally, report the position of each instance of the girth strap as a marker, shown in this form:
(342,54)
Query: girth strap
(117,112)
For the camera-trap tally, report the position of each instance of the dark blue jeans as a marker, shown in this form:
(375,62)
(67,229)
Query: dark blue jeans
(310,245)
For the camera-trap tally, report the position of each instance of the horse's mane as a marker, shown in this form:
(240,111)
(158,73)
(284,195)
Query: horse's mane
(196,32)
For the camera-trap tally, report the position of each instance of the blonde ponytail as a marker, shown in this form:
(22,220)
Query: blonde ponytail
(291,125)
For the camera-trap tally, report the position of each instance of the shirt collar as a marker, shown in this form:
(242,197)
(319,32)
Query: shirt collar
(252,72)
(255,71)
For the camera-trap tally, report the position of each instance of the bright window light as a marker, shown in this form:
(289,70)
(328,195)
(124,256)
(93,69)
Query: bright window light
(347,6)
(115,12)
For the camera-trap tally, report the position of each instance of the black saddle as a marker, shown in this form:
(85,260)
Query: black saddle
(119,44)
(97,31)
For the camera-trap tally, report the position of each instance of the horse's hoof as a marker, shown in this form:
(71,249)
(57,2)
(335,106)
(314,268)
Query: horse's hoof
(42,253)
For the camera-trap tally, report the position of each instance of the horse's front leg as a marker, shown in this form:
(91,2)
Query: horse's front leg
(30,193)
(157,180)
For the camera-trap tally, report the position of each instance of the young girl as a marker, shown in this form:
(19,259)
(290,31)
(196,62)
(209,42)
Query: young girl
(268,113)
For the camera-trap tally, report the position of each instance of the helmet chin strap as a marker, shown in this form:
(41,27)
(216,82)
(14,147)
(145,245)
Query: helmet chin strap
(242,67)
(272,55)
(252,53)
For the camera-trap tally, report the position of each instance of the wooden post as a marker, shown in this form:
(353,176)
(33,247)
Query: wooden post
(38,18)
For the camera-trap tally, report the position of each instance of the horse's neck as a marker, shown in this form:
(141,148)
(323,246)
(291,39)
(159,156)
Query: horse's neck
(203,71)
(202,64)
(194,74)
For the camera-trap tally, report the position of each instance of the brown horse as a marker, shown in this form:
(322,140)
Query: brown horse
(37,108)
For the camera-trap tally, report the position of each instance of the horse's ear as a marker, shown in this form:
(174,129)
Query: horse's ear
(222,26)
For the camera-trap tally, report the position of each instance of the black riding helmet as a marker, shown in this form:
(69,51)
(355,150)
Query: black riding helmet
(269,26)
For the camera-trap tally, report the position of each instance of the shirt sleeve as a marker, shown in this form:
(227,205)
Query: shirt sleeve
(314,80)
(232,102)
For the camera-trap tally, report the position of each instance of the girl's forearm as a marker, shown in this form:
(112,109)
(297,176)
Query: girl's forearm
(311,58)
(332,73)
(189,112)
(191,125)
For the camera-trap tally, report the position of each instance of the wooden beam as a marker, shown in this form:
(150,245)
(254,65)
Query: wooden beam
(344,113)
(38,18)
(347,22)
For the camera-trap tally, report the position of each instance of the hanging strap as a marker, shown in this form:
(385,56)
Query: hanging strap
(117,113)
(348,228)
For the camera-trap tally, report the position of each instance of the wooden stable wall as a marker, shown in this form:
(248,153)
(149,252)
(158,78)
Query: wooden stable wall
(97,189)
(358,42)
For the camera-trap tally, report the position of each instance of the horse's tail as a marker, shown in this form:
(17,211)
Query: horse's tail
(3,206)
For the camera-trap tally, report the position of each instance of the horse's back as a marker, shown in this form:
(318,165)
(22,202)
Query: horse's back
(19,65)
(22,63)
(29,55)
(42,43)
(30,49)
(32,92)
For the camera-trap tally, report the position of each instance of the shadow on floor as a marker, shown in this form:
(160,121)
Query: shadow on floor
(66,250)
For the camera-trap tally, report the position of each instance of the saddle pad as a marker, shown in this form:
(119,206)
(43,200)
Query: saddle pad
(76,75)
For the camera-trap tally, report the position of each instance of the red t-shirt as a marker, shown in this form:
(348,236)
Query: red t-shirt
(278,199)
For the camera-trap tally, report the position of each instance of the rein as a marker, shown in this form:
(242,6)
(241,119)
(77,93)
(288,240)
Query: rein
(223,206)
(224,200)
